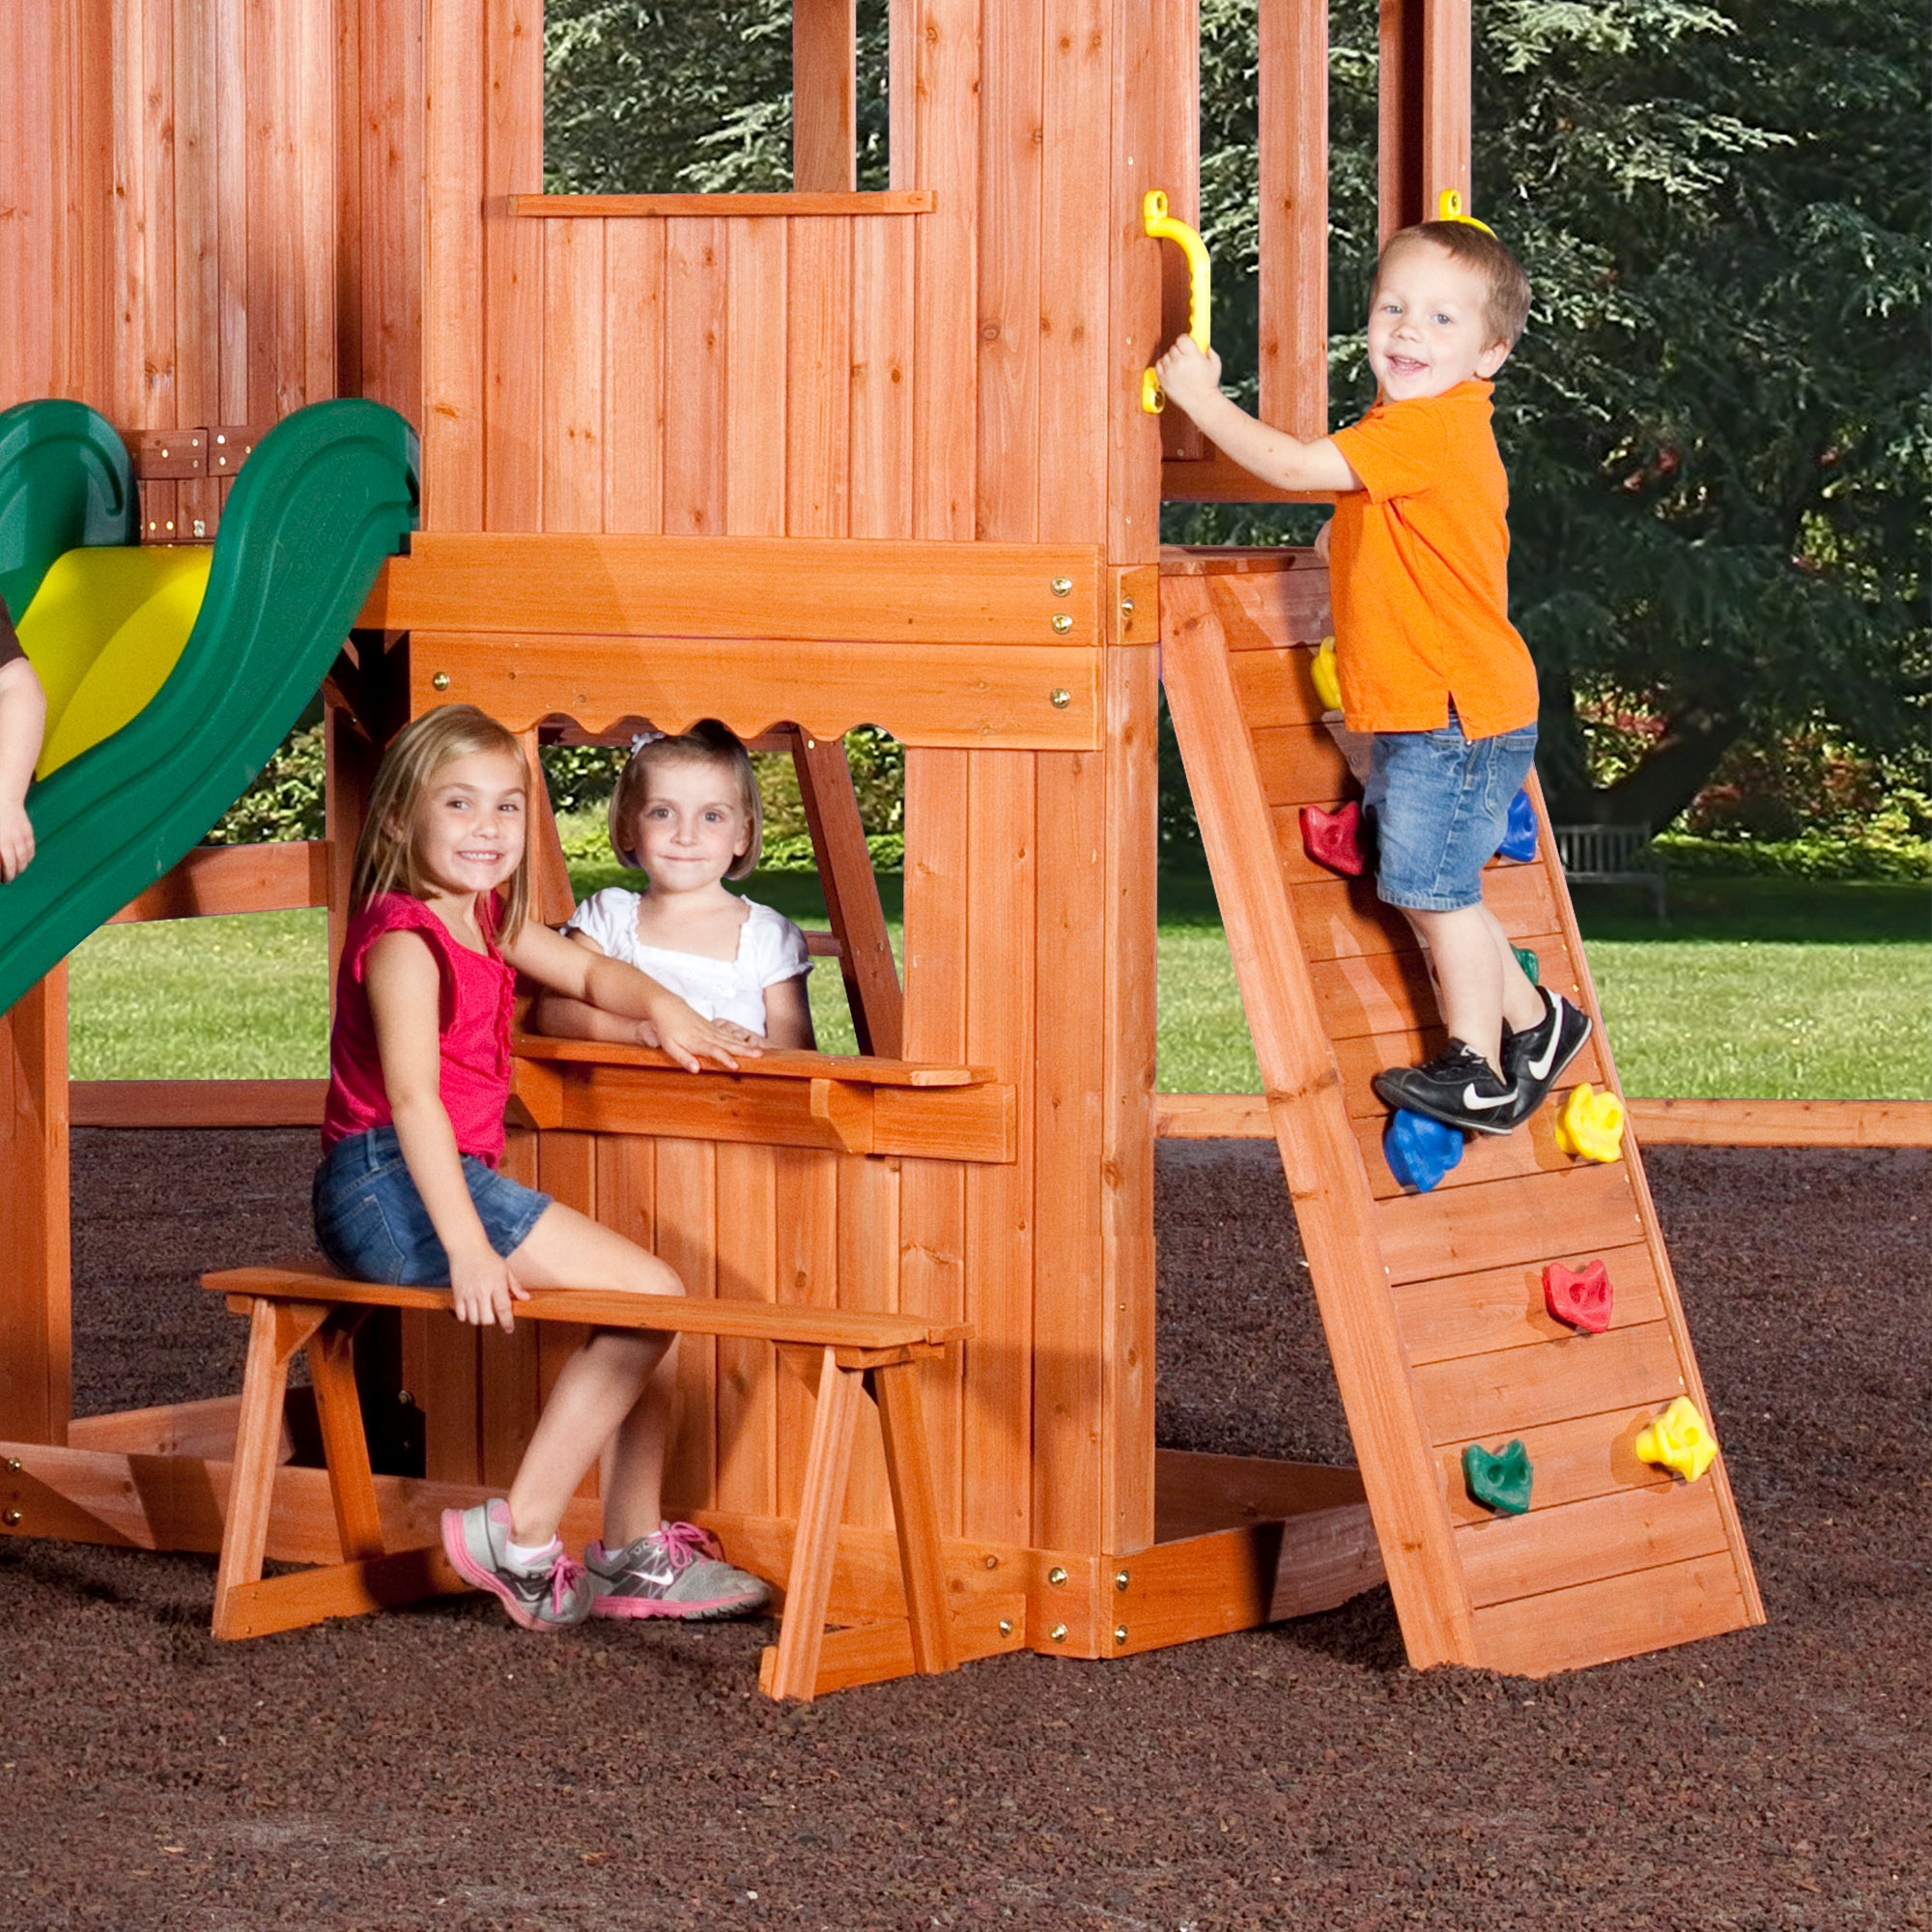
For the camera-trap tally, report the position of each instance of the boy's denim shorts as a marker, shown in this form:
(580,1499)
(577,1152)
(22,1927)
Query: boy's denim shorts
(1439,803)
(372,1224)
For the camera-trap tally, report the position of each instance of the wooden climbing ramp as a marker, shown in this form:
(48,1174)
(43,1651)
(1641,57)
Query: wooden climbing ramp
(1433,1302)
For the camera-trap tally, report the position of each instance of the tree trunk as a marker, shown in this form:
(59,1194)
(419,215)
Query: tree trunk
(1560,759)
(1672,776)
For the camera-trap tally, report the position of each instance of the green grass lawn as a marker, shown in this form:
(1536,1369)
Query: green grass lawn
(1757,988)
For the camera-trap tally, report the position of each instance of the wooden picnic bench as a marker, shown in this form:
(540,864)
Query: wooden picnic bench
(1612,855)
(304,1306)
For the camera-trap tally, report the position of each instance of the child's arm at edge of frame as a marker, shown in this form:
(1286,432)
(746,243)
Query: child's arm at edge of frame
(1192,381)
(404,993)
(597,979)
(23,718)
(788,1016)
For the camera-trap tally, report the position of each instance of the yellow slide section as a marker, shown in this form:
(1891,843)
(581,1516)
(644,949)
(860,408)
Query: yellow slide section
(104,631)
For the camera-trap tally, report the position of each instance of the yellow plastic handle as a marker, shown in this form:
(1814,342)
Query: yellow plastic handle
(1162,226)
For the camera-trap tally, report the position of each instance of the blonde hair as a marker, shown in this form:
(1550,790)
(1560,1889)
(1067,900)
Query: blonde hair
(706,743)
(1506,308)
(386,855)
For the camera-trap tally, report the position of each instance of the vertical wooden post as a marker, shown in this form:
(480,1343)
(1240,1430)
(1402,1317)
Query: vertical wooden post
(36,1367)
(1424,132)
(1399,186)
(1294,215)
(1445,101)
(824,96)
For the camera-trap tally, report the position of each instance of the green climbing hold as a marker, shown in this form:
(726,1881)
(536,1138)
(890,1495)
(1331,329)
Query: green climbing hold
(1498,1479)
(1528,961)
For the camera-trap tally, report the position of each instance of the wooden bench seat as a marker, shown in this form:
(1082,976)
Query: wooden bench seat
(302,1305)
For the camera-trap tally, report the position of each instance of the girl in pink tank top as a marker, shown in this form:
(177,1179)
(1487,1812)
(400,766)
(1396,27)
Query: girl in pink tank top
(409,1192)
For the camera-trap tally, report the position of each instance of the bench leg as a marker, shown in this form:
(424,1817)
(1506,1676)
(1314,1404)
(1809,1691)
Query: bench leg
(275,1331)
(792,1667)
(345,1449)
(915,1514)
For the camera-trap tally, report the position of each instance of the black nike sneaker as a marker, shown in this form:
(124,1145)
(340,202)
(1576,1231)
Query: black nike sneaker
(1534,1060)
(1459,1087)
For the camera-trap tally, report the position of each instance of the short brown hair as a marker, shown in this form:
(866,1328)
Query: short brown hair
(1507,309)
(706,743)
(386,855)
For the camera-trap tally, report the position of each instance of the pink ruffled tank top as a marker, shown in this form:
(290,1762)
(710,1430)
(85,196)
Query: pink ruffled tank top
(473,1026)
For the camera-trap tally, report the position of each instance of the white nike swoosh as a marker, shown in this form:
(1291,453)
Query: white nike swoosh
(1476,1101)
(1541,1071)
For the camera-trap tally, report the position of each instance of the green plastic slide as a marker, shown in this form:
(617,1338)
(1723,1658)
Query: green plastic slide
(173,673)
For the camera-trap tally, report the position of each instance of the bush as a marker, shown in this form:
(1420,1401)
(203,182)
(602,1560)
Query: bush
(286,802)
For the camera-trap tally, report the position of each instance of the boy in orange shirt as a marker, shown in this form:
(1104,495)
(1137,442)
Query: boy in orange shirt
(1428,659)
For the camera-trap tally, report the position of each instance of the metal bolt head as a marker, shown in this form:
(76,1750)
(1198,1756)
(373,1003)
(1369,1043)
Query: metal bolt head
(992,1562)
(1126,607)
(1062,698)
(1120,1633)
(200,526)
(1063,622)
(11,1518)
(1063,586)
(12,1465)
(405,1400)
(440,681)
(1056,1576)
(1005,1625)
(1122,1578)
(1058,1633)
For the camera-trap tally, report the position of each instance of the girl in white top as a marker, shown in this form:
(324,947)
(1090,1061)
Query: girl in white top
(687,813)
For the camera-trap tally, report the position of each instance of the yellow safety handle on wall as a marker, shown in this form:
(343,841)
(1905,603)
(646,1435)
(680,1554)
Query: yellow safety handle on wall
(1165,227)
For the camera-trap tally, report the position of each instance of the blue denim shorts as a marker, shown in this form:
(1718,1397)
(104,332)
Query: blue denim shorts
(1440,803)
(372,1224)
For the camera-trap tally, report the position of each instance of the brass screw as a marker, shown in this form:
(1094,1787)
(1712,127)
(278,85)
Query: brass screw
(1120,1633)
(12,1465)
(1122,1578)
(405,1400)
(1126,607)
(11,1517)
(1058,1633)
(1056,1576)
(440,681)
(1063,586)
(1005,1625)
(1062,698)
(992,1562)
(200,526)
(1063,622)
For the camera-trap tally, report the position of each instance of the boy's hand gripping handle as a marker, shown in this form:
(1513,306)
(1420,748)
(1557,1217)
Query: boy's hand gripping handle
(1164,227)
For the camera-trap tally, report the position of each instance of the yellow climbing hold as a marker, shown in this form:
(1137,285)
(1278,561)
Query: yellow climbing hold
(1680,1440)
(1590,1126)
(1327,685)
(104,631)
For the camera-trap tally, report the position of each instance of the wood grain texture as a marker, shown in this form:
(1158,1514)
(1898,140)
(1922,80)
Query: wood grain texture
(660,207)
(633,388)
(572,376)
(753,452)
(818,380)
(686,1240)
(36,1324)
(824,90)
(1293,209)
(696,267)
(747,1270)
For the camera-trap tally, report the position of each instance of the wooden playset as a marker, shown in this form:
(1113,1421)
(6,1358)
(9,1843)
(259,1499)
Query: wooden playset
(803,461)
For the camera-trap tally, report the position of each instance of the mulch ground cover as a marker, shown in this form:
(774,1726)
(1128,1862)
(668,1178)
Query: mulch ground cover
(439,1768)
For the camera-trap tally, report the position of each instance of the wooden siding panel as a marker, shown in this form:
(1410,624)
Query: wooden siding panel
(748,1259)
(687,1241)
(694,309)
(818,400)
(634,367)
(754,378)
(882,369)
(573,375)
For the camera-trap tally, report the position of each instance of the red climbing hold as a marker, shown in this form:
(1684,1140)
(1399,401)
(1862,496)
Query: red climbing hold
(1334,838)
(1581,1300)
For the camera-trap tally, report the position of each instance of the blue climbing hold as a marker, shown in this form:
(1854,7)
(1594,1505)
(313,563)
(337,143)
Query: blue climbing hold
(1519,833)
(1419,1151)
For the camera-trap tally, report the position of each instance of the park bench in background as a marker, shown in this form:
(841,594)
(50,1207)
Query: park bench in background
(303,1305)
(1613,855)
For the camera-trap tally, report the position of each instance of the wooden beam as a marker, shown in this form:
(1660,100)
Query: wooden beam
(280,877)
(198,1103)
(825,97)
(645,207)
(1293,195)
(829,589)
(35,1376)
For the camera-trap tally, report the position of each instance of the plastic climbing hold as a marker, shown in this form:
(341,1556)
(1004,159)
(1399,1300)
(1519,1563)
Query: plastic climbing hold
(1419,1151)
(1532,966)
(1680,1440)
(1334,838)
(1498,1479)
(1520,829)
(1590,1126)
(1327,681)
(1579,1301)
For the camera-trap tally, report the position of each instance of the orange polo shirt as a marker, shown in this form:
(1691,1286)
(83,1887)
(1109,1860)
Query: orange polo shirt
(1418,563)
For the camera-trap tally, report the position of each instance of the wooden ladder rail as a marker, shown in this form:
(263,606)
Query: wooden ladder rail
(304,1309)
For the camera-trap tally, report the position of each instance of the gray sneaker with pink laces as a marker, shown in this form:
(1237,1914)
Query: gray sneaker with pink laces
(552,1598)
(679,1572)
